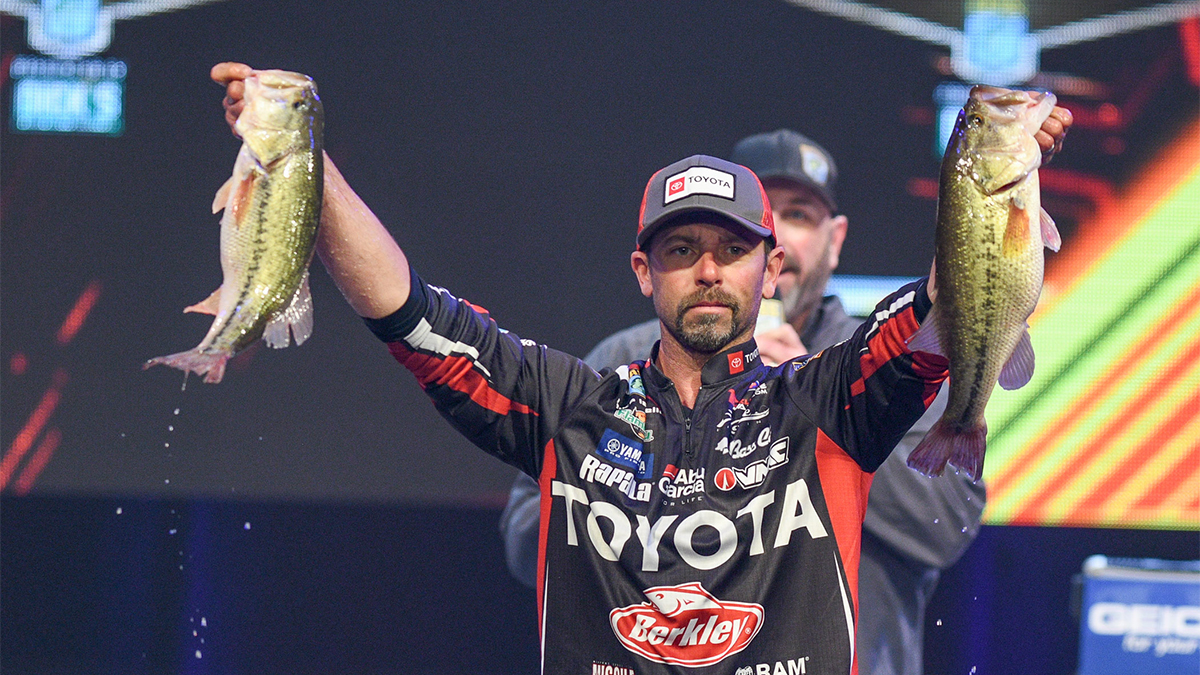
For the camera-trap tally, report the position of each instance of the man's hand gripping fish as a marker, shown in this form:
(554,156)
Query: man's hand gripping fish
(272,206)
(990,233)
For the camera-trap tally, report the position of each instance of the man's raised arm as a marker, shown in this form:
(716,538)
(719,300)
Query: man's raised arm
(360,254)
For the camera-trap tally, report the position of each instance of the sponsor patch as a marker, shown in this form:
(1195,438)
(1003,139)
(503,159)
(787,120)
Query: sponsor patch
(789,667)
(636,419)
(755,473)
(737,362)
(599,668)
(685,625)
(676,483)
(626,452)
(699,180)
(593,470)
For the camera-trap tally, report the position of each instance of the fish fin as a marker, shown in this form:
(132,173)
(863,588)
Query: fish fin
(1016,233)
(211,366)
(943,444)
(1018,370)
(969,447)
(222,196)
(932,453)
(298,318)
(1050,235)
(926,338)
(208,305)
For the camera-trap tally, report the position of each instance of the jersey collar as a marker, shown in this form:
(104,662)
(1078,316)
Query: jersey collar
(732,362)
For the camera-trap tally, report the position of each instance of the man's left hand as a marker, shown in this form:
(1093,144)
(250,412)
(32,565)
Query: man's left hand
(1054,130)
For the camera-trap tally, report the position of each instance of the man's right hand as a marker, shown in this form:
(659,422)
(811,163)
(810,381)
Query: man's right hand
(233,77)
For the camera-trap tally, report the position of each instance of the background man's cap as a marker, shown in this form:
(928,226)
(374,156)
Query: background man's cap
(787,154)
(703,183)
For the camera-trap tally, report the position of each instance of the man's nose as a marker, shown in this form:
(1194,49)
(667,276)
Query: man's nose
(708,272)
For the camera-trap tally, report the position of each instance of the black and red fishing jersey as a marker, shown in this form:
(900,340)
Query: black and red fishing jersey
(718,539)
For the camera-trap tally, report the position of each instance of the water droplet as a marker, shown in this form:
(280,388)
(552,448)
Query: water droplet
(166,445)
(166,480)
(260,438)
(201,640)
(964,530)
(203,621)
(118,510)
(122,434)
(936,521)
(170,427)
(247,525)
(195,633)
(177,411)
(972,670)
(197,653)
(172,531)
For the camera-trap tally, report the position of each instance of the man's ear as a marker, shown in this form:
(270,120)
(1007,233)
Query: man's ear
(771,271)
(837,237)
(641,268)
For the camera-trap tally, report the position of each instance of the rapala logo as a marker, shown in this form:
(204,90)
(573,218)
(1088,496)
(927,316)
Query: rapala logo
(686,626)
(593,470)
(699,180)
(737,363)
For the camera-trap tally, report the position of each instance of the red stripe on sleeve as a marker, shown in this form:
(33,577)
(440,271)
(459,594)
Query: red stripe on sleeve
(549,469)
(846,487)
(458,373)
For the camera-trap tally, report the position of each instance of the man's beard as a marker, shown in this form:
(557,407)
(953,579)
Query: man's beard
(803,297)
(705,334)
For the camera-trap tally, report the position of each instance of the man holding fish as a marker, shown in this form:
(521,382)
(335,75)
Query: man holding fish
(687,500)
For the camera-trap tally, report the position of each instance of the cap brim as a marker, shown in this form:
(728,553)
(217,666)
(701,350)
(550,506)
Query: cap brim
(664,218)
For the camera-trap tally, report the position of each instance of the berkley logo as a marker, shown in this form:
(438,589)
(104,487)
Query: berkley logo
(685,625)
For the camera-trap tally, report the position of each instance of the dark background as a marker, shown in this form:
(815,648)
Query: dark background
(506,145)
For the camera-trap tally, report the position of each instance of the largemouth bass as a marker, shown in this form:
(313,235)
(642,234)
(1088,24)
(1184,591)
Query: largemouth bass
(991,230)
(272,205)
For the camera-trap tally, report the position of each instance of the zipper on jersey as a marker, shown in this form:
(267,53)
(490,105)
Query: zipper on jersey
(687,433)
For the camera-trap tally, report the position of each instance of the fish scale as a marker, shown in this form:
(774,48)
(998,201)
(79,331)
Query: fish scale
(272,205)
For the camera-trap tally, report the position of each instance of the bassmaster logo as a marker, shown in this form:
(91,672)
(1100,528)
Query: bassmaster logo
(686,626)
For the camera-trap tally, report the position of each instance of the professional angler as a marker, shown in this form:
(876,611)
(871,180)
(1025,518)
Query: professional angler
(701,510)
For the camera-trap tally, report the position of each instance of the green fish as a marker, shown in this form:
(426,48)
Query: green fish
(272,205)
(991,231)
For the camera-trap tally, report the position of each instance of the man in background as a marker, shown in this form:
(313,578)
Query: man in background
(915,526)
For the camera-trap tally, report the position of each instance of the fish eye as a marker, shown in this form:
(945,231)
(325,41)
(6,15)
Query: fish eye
(975,120)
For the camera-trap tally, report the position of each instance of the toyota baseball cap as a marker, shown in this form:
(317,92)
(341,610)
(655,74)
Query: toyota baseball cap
(788,154)
(701,183)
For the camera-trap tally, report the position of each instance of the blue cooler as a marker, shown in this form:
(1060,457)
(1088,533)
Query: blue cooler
(1140,617)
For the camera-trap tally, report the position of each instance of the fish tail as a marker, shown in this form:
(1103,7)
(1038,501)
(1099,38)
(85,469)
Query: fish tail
(944,443)
(968,452)
(211,366)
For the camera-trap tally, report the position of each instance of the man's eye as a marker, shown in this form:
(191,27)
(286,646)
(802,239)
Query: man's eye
(737,250)
(681,250)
